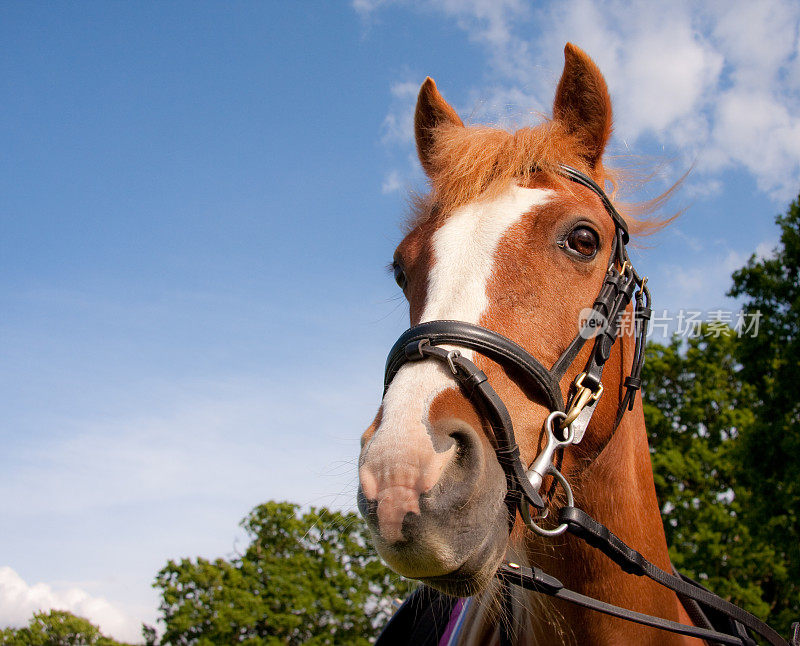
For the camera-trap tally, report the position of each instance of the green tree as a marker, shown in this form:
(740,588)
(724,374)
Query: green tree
(769,451)
(696,407)
(308,578)
(56,628)
(724,421)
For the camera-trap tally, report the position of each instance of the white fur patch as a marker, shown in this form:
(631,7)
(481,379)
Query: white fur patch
(401,453)
(464,250)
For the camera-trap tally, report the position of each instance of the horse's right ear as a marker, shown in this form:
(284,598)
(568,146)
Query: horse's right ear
(432,111)
(582,103)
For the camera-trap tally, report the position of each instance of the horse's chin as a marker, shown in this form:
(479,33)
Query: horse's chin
(461,584)
(459,577)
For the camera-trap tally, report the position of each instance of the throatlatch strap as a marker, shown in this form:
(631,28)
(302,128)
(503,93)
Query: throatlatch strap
(537,581)
(703,618)
(582,525)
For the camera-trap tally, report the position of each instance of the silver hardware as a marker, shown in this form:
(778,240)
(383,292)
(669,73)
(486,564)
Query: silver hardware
(541,515)
(525,510)
(582,421)
(544,462)
(543,466)
(453,354)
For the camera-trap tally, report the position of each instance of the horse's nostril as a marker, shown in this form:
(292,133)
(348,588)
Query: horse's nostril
(468,453)
(465,446)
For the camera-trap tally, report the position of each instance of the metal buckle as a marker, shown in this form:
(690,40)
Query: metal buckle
(583,397)
(451,356)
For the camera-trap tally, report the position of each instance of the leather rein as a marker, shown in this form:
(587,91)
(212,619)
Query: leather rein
(564,427)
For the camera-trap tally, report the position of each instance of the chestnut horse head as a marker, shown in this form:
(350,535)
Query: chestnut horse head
(506,242)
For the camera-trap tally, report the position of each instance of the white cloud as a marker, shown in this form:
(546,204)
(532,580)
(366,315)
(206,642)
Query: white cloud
(692,242)
(702,187)
(758,131)
(758,39)
(398,125)
(366,7)
(490,23)
(701,283)
(716,83)
(19,600)
(398,134)
(766,249)
(696,283)
(392,182)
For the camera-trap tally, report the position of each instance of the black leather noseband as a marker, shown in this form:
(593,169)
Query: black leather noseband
(495,346)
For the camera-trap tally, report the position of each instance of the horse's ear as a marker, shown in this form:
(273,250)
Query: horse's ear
(582,103)
(432,111)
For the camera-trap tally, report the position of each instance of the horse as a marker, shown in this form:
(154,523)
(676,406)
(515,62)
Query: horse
(506,253)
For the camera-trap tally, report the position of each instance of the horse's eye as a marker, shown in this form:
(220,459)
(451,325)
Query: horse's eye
(584,241)
(399,276)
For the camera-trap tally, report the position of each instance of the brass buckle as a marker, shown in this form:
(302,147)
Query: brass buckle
(583,397)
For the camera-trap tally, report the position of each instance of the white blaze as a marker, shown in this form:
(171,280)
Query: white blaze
(464,249)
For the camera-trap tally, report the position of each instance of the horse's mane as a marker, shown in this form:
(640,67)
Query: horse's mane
(481,161)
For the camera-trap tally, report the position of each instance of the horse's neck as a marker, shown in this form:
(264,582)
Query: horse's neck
(618,490)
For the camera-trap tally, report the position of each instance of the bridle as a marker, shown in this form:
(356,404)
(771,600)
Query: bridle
(603,323)
(565,426)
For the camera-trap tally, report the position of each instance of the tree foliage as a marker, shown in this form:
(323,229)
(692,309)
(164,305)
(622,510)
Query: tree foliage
(769,450)
(308,578)
(56,628)
(724,425)
(696,405)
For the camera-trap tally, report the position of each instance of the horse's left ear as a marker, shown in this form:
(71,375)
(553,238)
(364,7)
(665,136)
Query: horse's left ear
(432,111)
(582,103)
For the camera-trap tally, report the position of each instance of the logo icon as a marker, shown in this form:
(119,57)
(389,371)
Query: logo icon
(591,323)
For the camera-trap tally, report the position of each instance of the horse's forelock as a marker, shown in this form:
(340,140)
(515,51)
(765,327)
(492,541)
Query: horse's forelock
(480,162)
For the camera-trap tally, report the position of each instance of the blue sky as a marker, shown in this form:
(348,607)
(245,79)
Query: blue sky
(198,202)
